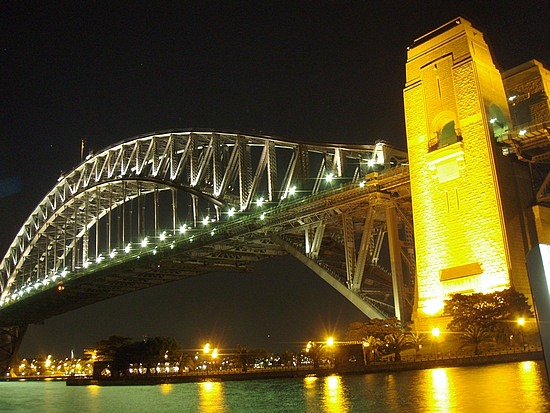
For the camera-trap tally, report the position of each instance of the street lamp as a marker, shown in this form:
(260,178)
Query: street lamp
(436,332)
(521,323)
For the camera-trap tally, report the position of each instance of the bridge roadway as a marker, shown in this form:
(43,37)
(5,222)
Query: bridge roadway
(234,245)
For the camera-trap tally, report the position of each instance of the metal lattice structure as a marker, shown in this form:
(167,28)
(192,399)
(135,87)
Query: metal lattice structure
(166,206)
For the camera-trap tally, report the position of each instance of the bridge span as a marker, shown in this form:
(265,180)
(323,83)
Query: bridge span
(177,204)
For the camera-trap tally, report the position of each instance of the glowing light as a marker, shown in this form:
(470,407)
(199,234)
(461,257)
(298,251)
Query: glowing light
(362,184)
(292,190)
(527,366)
(262,217)
(259,202)
(436,332)
(206,348)
(212,232)
(441,391)
(144,242)
(211,397)
(492,120)
(166,388)
(521,321)
(172,245)
(330,341)
(155,251)
(231,212)
(522,132)
(215,353)
(99,258)
(183,228)
(433,306)
(511,98)
(127,248)
(205,221)
(113,253)
(86,264)
(334,398)
(162,236)
(329,177)
(371,162)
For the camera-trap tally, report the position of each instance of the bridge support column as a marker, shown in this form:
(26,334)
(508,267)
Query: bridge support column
(10,340)
(399,295)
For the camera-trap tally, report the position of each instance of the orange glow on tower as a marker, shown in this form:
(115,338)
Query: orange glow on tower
(454,103)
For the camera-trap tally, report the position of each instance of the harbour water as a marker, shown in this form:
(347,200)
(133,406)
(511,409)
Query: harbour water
(501,388)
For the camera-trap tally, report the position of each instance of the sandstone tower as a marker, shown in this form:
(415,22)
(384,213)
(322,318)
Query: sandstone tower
(468,198)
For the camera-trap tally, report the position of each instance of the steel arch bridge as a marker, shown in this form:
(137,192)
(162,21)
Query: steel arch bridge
(176,204)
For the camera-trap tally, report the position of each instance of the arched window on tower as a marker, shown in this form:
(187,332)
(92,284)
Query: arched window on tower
(498,122)
(447,135)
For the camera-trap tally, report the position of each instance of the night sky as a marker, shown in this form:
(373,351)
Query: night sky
(310,70)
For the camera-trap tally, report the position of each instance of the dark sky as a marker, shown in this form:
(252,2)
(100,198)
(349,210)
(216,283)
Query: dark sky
(310,70)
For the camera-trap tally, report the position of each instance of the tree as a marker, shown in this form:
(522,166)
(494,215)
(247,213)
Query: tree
(315,351)
(376,327)
(416,339)
(115,350)
(122,351)
(371,348)
(475,336)
(187,361)
(287,358)
(106,350)
(398,342)
(243,357)
(495,312)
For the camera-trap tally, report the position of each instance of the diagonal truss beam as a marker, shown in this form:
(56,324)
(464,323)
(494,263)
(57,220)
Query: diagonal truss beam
(366,308)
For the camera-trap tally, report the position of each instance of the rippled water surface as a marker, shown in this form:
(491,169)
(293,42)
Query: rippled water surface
(513,387)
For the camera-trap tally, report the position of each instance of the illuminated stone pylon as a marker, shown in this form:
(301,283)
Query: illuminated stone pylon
(468,226)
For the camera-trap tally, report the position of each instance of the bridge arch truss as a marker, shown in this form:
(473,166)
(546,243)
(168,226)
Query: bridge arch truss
(174,204)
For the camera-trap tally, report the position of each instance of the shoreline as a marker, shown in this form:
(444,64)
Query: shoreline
(378,367)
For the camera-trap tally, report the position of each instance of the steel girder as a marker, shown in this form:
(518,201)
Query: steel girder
(10,340)
(531,144)
(76,219)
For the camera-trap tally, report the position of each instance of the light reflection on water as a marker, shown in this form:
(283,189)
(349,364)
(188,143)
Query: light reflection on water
(211,397)
(335,399)
(440,392)
(497,388)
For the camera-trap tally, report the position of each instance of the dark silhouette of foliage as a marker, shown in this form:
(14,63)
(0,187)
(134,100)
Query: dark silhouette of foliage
(371,348)
(287,358)
(395,343)
(243,357)
(474,336)
(416,339)
(109,348)
(315,351)
(376,328)
(496,313)
(122,351)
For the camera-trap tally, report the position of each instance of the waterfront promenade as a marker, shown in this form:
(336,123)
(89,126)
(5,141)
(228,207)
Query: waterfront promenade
(450,359)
